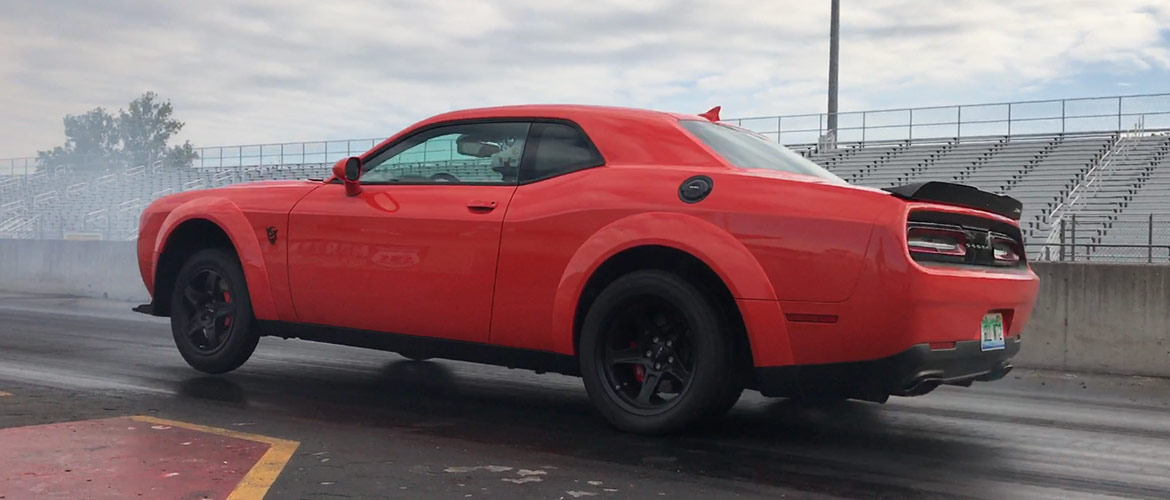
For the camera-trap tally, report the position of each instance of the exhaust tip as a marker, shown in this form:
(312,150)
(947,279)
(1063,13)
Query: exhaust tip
(997,373)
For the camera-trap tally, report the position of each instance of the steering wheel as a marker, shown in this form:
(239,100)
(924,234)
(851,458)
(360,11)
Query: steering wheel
(444,177)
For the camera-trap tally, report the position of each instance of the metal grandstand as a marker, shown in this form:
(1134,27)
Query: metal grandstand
(1093,173)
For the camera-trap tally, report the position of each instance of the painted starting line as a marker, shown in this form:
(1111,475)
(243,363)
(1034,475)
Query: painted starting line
(138,457)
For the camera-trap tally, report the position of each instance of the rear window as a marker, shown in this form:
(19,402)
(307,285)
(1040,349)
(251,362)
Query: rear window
(748,150)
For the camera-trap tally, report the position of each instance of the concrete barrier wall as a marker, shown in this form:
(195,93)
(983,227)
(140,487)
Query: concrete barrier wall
(1089,317)
(106,269)
(1109,318)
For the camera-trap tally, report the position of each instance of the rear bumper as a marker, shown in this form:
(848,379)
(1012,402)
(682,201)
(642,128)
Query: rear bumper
(892,312)
(912,372)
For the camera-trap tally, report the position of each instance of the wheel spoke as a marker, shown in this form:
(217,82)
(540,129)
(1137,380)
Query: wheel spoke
(192,295)
(194,328)
(678,371)
(649,386)
(211,283)
(631,356)
(224,309)
(211,335)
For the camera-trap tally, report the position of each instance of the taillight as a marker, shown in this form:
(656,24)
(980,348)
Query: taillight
(1005,251)
(938,241)
(967,240)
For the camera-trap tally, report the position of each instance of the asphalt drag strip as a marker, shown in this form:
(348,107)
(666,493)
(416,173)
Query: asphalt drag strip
(366,424)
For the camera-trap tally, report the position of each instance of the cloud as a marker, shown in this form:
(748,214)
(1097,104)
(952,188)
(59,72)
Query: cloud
(253,71)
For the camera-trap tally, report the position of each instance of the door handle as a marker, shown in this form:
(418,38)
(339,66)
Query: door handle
(481,205)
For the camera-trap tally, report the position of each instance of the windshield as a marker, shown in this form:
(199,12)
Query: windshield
(749,150)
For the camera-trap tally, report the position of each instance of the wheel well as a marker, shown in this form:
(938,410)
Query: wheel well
(673,260)
(191,236)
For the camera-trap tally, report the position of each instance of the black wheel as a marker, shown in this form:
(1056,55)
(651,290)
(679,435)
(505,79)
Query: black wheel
(656,355)
(211,314)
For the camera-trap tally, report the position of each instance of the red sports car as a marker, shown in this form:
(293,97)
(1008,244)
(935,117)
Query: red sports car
(670,260)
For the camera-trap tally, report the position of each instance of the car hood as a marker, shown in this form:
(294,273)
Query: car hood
(277,195)
(263,184)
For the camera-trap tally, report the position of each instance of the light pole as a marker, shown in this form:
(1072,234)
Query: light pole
(834,35)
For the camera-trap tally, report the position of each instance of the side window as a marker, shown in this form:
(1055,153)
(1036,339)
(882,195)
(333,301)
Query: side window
(557,149)
(469,153)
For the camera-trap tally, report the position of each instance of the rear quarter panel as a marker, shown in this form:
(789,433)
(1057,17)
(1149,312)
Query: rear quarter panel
(811,238)
(788,239)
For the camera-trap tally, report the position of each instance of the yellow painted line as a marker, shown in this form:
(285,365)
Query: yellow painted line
(257,481)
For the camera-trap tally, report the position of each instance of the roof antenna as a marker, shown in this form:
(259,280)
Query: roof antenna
(712,114)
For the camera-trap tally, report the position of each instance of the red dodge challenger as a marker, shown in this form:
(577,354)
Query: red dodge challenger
(669,260)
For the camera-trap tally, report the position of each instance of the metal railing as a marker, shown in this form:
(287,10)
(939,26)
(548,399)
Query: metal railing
(1107,238)
(1087,114)
(1091,182)
(1104,253)
(283,153)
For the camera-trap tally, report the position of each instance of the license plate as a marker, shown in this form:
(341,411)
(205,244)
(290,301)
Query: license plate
(991,332)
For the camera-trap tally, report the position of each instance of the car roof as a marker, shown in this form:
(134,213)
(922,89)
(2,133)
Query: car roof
(610,128)
(564,111)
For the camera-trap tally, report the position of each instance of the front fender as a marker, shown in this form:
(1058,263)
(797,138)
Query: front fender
(225,214)
(718,249)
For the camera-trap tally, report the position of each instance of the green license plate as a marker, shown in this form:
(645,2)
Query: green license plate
(991,332)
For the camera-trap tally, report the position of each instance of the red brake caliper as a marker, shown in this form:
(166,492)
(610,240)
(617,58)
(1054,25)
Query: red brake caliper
(639,370)
(227,297)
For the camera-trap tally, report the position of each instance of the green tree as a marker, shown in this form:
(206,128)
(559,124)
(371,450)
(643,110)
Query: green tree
(90,139)
(138,136)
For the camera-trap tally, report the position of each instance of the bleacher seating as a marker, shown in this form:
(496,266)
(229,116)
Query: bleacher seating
(107,203)
(1130,206)
(1039,170)
(1109,184)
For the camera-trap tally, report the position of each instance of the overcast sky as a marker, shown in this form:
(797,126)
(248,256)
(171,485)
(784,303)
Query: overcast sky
(252,71)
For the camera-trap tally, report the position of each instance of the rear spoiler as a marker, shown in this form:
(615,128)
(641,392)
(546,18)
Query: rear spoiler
(959,195)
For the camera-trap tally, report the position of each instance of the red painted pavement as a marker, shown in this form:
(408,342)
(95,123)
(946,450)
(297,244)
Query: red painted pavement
(120,458)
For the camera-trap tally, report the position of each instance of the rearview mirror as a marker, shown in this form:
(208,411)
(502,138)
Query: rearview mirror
(469,146)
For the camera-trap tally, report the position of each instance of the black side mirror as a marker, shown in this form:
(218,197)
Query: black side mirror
(353,168)
(348,171)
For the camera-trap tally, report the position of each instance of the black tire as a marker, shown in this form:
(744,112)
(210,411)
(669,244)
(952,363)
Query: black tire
(703,351)
(199,301)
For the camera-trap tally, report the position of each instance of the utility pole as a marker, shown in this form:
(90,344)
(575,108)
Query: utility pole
(834,35)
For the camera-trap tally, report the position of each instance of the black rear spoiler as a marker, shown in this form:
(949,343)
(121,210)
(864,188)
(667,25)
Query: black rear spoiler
(959,195)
